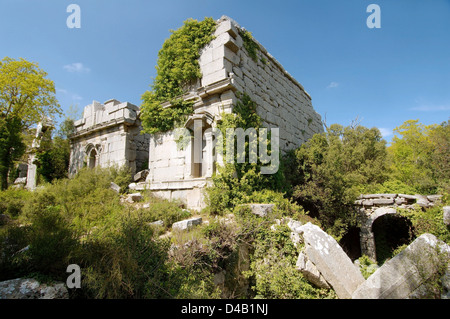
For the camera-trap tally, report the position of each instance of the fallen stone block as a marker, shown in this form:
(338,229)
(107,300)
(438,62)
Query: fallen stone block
(135,197)
(422,201)
(261,209)
(158,223)
(20,180)
(331,261)
(115,187)
(141,176)
(310,271)
(31,289)
(434,198)
(401,276)
(187,223)
(446,217)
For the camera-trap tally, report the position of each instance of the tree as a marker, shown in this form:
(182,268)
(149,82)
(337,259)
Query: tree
(333,168)
(420,155)
(26,97)
(53,156)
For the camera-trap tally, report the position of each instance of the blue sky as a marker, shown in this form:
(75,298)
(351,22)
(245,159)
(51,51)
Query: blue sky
(382,76)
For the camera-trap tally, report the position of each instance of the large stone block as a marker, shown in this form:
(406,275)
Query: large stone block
(187,224)
(400,276)
(310,271)
(32,289)
(331,261)
(446,215)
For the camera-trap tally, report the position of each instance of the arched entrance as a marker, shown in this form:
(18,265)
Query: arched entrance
(351,243)
(390,232)
(92,158)
(92,155)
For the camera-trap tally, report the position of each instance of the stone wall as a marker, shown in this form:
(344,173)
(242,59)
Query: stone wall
(373,206)
(226,70)
(109,134)
(281,101)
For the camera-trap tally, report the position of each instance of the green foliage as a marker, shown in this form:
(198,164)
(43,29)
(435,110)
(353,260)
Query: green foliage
(52,240)
(53,156)
(25,92)
(160,209)
(273,268)
(367,266)
(11,145)
(428,221)
(129,263)
(330,170)
(393,186)
(177,68)
(236,182)
(250,45)
(26,97)
(12,201)
(419,156)
(53,163)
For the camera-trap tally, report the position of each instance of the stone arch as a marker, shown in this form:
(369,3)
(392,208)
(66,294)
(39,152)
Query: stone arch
(93,155)
(368,235)
(390,231)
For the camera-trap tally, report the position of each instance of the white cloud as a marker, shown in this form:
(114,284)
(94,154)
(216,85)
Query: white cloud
(76,97)
(73,96)
(431,108)
(76,68)
(332,85)
(63,91)
(385,132)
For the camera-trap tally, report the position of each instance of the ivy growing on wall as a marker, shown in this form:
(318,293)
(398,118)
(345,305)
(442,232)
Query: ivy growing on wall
(250,45)
(236,182)
(177,67)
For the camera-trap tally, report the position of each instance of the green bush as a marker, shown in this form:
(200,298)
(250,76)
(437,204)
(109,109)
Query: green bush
(51,243)
(428,221)
(13,262)
(330,169)
(273,268)
(367,266)
(129,263)
(13,200)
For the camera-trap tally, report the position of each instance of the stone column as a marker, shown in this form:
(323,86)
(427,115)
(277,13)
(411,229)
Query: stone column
(207,155)
(31,174)
(367,240)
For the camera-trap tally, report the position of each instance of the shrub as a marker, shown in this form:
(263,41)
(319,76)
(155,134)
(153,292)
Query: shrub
(13,262)
(273,268)
(129,263)
(428,221)
(367,266)
(330,169)
(12,201)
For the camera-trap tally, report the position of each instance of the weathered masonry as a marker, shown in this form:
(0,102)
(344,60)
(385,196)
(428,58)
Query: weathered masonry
(109,134)
(227,68)
(373,206)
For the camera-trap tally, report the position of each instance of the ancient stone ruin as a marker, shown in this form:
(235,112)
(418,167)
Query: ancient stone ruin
(227,68)
(109,134)
(373,206)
